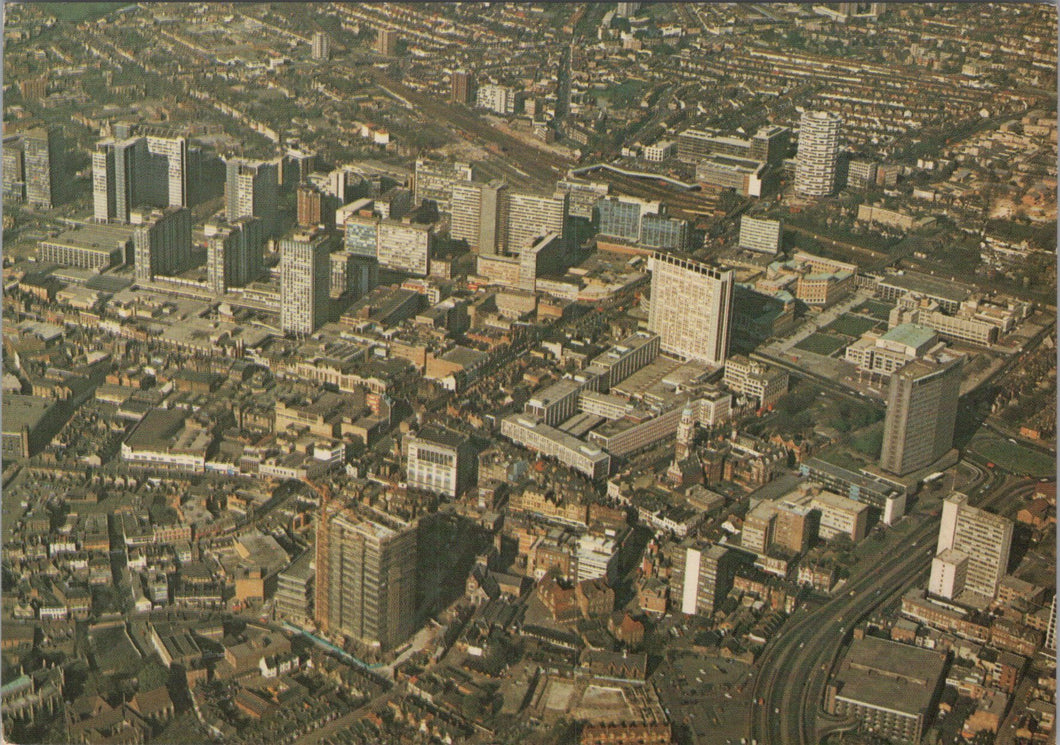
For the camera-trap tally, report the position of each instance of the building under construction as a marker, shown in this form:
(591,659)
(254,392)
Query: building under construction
(366,577)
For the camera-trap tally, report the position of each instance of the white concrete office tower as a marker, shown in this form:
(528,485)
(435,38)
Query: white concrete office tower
(405,247)
(758,234)
(234,254)
(305,283)
(817,159)
(439,461)
(161,242)
(978,540)
(321,45)
(691,308)
(921,415)
(252,189)
(583,195)
(479,216)
(531,216)
(103,202)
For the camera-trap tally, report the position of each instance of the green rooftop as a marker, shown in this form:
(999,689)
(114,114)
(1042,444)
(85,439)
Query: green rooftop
(910,334)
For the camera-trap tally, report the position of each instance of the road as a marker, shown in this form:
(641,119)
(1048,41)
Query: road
(801,657)
(796,664)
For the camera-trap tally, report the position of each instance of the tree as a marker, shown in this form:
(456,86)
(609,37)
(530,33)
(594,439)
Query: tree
(152,676)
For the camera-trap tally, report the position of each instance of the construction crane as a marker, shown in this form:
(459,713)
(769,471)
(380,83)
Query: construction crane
(320,602)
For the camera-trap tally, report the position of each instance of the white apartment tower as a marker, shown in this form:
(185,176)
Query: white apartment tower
(233,254)
(171,155)
(949,573)
(817,159)
(135,171)
(497,98)
(404,246)
(116,179)
(757,234)
(704,575)
(978,540)
(252,189)
(161,242)
(433,181)
(321,45)
(691,308)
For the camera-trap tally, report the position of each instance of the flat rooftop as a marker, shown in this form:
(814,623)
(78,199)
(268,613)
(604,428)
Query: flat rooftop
(620,350)
(890,675)
(556,392)
(862,480)
(262,551)
(440,436)
(910,334)
(23,411)
(301,569)
(837,502)
(742,165)
(155,431)
(925,284)
(382,302)
(647,377)
(94,236)
(559,437)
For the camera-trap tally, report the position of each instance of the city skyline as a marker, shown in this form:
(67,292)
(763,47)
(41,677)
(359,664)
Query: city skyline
(534,373)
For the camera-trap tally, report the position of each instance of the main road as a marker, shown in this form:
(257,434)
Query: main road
(796,664)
